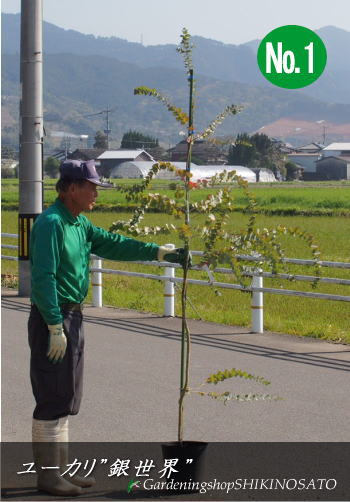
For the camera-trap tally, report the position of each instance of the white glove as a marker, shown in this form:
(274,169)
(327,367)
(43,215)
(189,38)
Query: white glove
(163,250)
(57,343)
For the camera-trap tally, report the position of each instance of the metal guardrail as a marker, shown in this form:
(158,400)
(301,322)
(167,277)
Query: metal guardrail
(9,246)
(256,288)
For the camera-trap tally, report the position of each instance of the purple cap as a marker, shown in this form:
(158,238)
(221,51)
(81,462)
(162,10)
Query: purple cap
(81,170)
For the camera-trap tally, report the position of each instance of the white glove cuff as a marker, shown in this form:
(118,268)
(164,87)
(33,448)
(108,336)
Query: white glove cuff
(55,329)
(163,250)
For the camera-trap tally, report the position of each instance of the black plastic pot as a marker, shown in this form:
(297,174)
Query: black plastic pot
(191,463)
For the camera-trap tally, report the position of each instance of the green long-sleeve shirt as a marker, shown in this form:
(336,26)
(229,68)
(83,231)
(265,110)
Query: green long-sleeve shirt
(60,247)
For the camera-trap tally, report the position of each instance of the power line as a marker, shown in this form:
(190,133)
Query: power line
(107,131)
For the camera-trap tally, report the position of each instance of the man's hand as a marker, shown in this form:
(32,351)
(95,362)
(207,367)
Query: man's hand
(176,255)
(57,343)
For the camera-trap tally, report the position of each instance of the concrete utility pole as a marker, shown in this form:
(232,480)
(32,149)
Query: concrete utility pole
(107,131)
(31,133)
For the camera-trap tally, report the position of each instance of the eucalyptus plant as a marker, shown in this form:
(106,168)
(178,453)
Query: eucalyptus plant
(221,246)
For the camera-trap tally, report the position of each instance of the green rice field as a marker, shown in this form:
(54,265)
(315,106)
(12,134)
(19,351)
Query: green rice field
(295,315)
(322,199)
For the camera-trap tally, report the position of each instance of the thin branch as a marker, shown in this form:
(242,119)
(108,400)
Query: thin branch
(178,113)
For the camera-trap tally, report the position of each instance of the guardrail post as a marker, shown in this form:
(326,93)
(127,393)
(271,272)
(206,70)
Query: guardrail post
(169,289)
(257,304)
(169,293)
(96,282)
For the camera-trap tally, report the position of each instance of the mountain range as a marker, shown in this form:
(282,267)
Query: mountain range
(83,74)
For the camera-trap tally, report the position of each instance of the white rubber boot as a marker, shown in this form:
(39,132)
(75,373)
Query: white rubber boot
(46,439)
(83,482)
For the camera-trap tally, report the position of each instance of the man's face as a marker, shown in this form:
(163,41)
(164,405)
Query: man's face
(83,196)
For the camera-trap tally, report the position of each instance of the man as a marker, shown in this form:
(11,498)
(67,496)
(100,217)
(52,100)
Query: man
(60,246)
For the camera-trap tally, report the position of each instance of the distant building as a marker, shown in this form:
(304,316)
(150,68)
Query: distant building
(86,153)
(60,155)
(307,161)
(310,148)
(335,149)
(333,168)
(107,160)
(135,169)
(204,151)
(158,153)
(285,147)
(110,159)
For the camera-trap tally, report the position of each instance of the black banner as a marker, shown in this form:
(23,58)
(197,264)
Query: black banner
(196,471)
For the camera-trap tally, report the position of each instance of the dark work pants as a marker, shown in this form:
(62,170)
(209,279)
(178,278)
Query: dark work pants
(58,387)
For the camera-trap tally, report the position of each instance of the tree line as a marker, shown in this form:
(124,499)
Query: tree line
(260,151)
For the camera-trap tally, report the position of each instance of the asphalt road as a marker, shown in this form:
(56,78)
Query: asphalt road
(132,379)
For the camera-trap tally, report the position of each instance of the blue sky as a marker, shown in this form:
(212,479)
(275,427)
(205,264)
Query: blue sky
(161,21)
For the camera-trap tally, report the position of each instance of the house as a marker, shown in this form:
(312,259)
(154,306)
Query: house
(86,153)
(335,149)
(333,167)
(282,146)
(106,160)
(59,155)
(285,147)
(158,153)
(110,159)
(206,152)
(310,148)
(306,161)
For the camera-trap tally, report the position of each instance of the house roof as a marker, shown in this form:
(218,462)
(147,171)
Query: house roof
(300,154)
(86,153)
(339,157)
(338,146)
(286,146)
(311,146)
(123,154)
(60,155)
